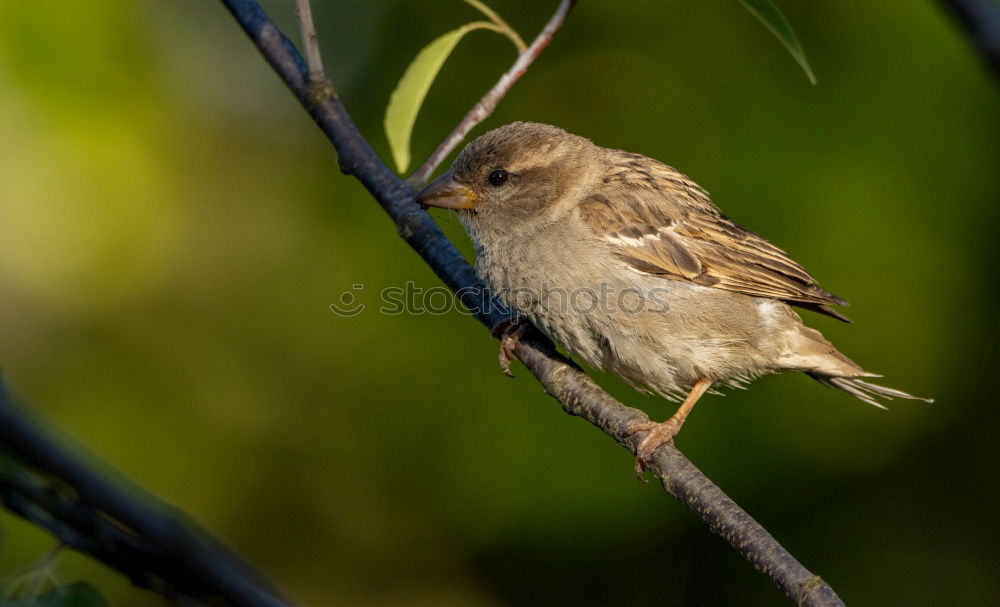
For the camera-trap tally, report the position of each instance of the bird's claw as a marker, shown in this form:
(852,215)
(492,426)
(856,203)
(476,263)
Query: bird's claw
(657,434)
(508,331)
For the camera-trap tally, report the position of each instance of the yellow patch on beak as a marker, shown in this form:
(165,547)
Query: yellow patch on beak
(446,193)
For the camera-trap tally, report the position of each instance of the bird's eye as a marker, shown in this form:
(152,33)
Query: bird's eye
(498,177)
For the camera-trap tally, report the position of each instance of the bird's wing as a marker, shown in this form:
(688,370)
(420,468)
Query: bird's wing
(660,222)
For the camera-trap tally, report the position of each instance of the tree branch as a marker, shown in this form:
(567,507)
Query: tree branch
(485,106)
(578,394)
(981,21)
(63,491)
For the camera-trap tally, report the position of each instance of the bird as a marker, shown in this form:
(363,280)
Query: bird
(629,265)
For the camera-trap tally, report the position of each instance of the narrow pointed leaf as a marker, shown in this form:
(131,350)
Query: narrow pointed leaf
(406,99)
(771,17)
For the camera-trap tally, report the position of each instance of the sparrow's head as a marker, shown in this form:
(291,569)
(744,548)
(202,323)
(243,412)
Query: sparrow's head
(509,174)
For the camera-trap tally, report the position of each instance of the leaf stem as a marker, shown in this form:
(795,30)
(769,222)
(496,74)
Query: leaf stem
(409,94)
(485,106)
(504,27)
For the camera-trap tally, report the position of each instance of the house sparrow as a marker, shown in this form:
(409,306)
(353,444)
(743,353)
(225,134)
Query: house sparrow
(630,266)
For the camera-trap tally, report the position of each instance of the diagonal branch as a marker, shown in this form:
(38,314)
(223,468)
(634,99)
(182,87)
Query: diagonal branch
(981,21)
(485,106)
(578,394)
(65,492)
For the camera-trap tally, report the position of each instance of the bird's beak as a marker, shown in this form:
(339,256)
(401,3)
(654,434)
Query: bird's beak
(446,193)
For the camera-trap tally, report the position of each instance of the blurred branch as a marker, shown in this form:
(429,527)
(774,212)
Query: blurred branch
(980,19)
(64,491)
(485,106)
(578,394)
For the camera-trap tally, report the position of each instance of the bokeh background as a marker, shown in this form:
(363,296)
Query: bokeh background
(173,230)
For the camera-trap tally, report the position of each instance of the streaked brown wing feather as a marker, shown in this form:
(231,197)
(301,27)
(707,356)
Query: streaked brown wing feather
(663,223)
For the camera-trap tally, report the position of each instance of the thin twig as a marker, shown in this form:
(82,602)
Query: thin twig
(30,581)
(981,21)
(310,42)
(485,106)
(578,394)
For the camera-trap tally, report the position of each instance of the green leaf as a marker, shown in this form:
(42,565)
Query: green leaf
(406,99)
(771,17)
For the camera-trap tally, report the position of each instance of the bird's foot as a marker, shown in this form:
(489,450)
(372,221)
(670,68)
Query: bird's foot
(664,432)
(508,331)
(657,433)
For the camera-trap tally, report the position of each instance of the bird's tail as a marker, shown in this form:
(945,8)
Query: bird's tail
(863,390)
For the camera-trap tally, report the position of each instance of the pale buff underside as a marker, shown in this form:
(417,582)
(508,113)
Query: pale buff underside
(667,335)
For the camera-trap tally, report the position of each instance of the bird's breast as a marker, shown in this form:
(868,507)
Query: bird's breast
(538,273)
(571,289)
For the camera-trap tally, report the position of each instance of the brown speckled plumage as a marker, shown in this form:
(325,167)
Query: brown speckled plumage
(691,239)
(549,211)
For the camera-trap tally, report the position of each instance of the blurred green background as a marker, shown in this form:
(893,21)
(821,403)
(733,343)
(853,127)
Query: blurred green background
(173,229)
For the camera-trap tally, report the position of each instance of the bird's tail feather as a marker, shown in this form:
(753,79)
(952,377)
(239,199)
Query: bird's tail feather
(863,390)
